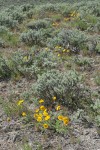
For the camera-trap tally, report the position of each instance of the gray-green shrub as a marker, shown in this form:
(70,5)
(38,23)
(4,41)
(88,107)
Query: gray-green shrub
(5,71)
(38,24)
(65,86)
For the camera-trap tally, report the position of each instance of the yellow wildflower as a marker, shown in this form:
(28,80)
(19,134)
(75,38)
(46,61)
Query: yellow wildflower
(57,47)
(45,113)
(40,115)
(47,117)
(36,115)
(66,19)
(53,24)
(58,107)
(39,119)
(37,110)
(25,58)
(65,120)
(20,102)
(45,126)
(68,51)
(58,55)
(46,48)
(54,98)
(60,117)
(64,50)
(41,101)
(42,108)
(23,114)
(8,119)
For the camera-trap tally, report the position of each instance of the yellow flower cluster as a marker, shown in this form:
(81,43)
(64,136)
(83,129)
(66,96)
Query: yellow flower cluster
(19,103)
(55,24)
(41,114)
(64,119)
(66,19)
(74,14)
(59,48)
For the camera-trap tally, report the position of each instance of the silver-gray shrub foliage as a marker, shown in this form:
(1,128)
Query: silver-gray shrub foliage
(8,21)
(35,63)
(36,37)
(72,39)
(2,43)
(65,86)
(5,71)
(41,23)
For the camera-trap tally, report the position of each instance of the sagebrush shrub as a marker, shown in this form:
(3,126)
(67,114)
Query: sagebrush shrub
(19,16)
(38,24)
(34,37)
(5,71)
(65,86)
(8,21)
(31,64)
(72,39)
(2,43)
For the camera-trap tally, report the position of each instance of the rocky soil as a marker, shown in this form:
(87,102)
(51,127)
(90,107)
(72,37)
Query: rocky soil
(14,133)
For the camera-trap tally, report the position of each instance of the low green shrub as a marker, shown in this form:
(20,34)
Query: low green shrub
(18,16)
(38,24)
(83,61)
(33,37)
(31,64)
(64,86)
(96,110)
(81,24)
(97,27)
(8,21)
(71,39)
(2,43)
(5,71)
(26,7)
